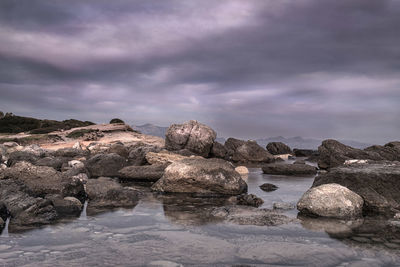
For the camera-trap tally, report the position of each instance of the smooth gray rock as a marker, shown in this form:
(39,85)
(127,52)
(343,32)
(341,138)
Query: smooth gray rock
(150,173)
(105,165)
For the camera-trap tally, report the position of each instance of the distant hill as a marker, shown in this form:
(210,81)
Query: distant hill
(151,129)
(307,143)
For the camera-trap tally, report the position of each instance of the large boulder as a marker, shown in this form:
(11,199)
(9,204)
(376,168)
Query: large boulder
(289,169)
(149,173)
(378,183)
(201,176)
(105,165)
(165,157)
(218,150)
(191,135)
(18,156)
(120,149)
(137,153)
(247,152)
(333,153)
(390,151)
(331,200)
(278,148)
(42,180)
(105,192)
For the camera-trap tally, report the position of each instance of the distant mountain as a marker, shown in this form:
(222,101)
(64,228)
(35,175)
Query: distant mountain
(306,143)
(151,129)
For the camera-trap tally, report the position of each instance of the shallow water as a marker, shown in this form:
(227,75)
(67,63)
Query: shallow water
(175,231)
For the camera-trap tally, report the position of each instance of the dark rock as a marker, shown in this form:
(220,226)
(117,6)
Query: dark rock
(378,183)
(105,165)
(119,149)
(390,151)
(218,150)
(68,206)
(300,161)
(148,172)
(3,211)
(105,192)
(201,176)
(247,152)
(42,180)
(249,200)
(289,169)
(191,135)
(304,152)
(137,153)
(69,153)
(334,153)
(250,216)
(268,187)
(25,211)
(18,156)
(278,148)
(55,163)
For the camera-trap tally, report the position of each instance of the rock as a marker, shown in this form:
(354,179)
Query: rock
(390,151)
(137,153)
(304,152)
(249,200)
(76,164)
(77,145)
(334,153)
(18,156)
(119,149)
(3,211)
(69,153)
(34,149)
(247,152)
(378,183)
(26,211)
(10,144)
(68,206)
(300,161)
(105,165)
(332,226)
(268,187)
(250,216)
(331,200)
(42,180)
(218,150)
(289,169)
(201,176)
(165,157)
(191,135)
(150,173)
(283,206)
(105,192)
(278,148)
(242,170)
(55,163)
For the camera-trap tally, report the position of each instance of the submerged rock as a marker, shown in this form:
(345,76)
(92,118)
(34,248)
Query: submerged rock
(331,200)
(378,183)
(105,165)
(68,206)
(268,187)
(278,148)
(191,135)
(201,176)
(249,200)
(289,169)
(150,173)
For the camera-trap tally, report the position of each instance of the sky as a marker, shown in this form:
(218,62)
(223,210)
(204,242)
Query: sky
(249,69)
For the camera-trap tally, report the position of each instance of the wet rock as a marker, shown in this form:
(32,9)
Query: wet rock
(278,148)
(26,211)
(42,180)
(68,206)
(105,165)
(250,216)
(268,187)
(137,153)
(201,176)
(334,153)
(249,200)
(165,157)
(331,200)
(105,192)
(283,206)
(148,172)
(378,183)
(334,227)
(289,169)
(218,150)
(191,135)
(247,152)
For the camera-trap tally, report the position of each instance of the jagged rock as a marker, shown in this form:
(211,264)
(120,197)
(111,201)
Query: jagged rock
(18,156)
(68,206)
(278,148)
(148,172)
(247,152)
(137,153)
(201,176)
(304,152)
(390,151)
(289,169)
(378,183)
(268,187)
(331,200)
(218,150)
(333,154)
(105,192)
(250,216)
(42,180)
(190,135)
(105,165)
(165,157)
(249,200)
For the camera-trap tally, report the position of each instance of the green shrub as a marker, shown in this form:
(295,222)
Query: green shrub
(81,132)
(116,120)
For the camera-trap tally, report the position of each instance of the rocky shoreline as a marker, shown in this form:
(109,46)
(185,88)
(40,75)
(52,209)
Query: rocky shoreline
(41,184)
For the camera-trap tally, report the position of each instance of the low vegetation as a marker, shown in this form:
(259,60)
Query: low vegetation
(116,120)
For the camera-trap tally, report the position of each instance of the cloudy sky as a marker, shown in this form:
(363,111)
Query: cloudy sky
(249,69)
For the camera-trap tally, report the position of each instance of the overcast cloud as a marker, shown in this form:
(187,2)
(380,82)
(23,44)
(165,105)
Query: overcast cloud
(249,69)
